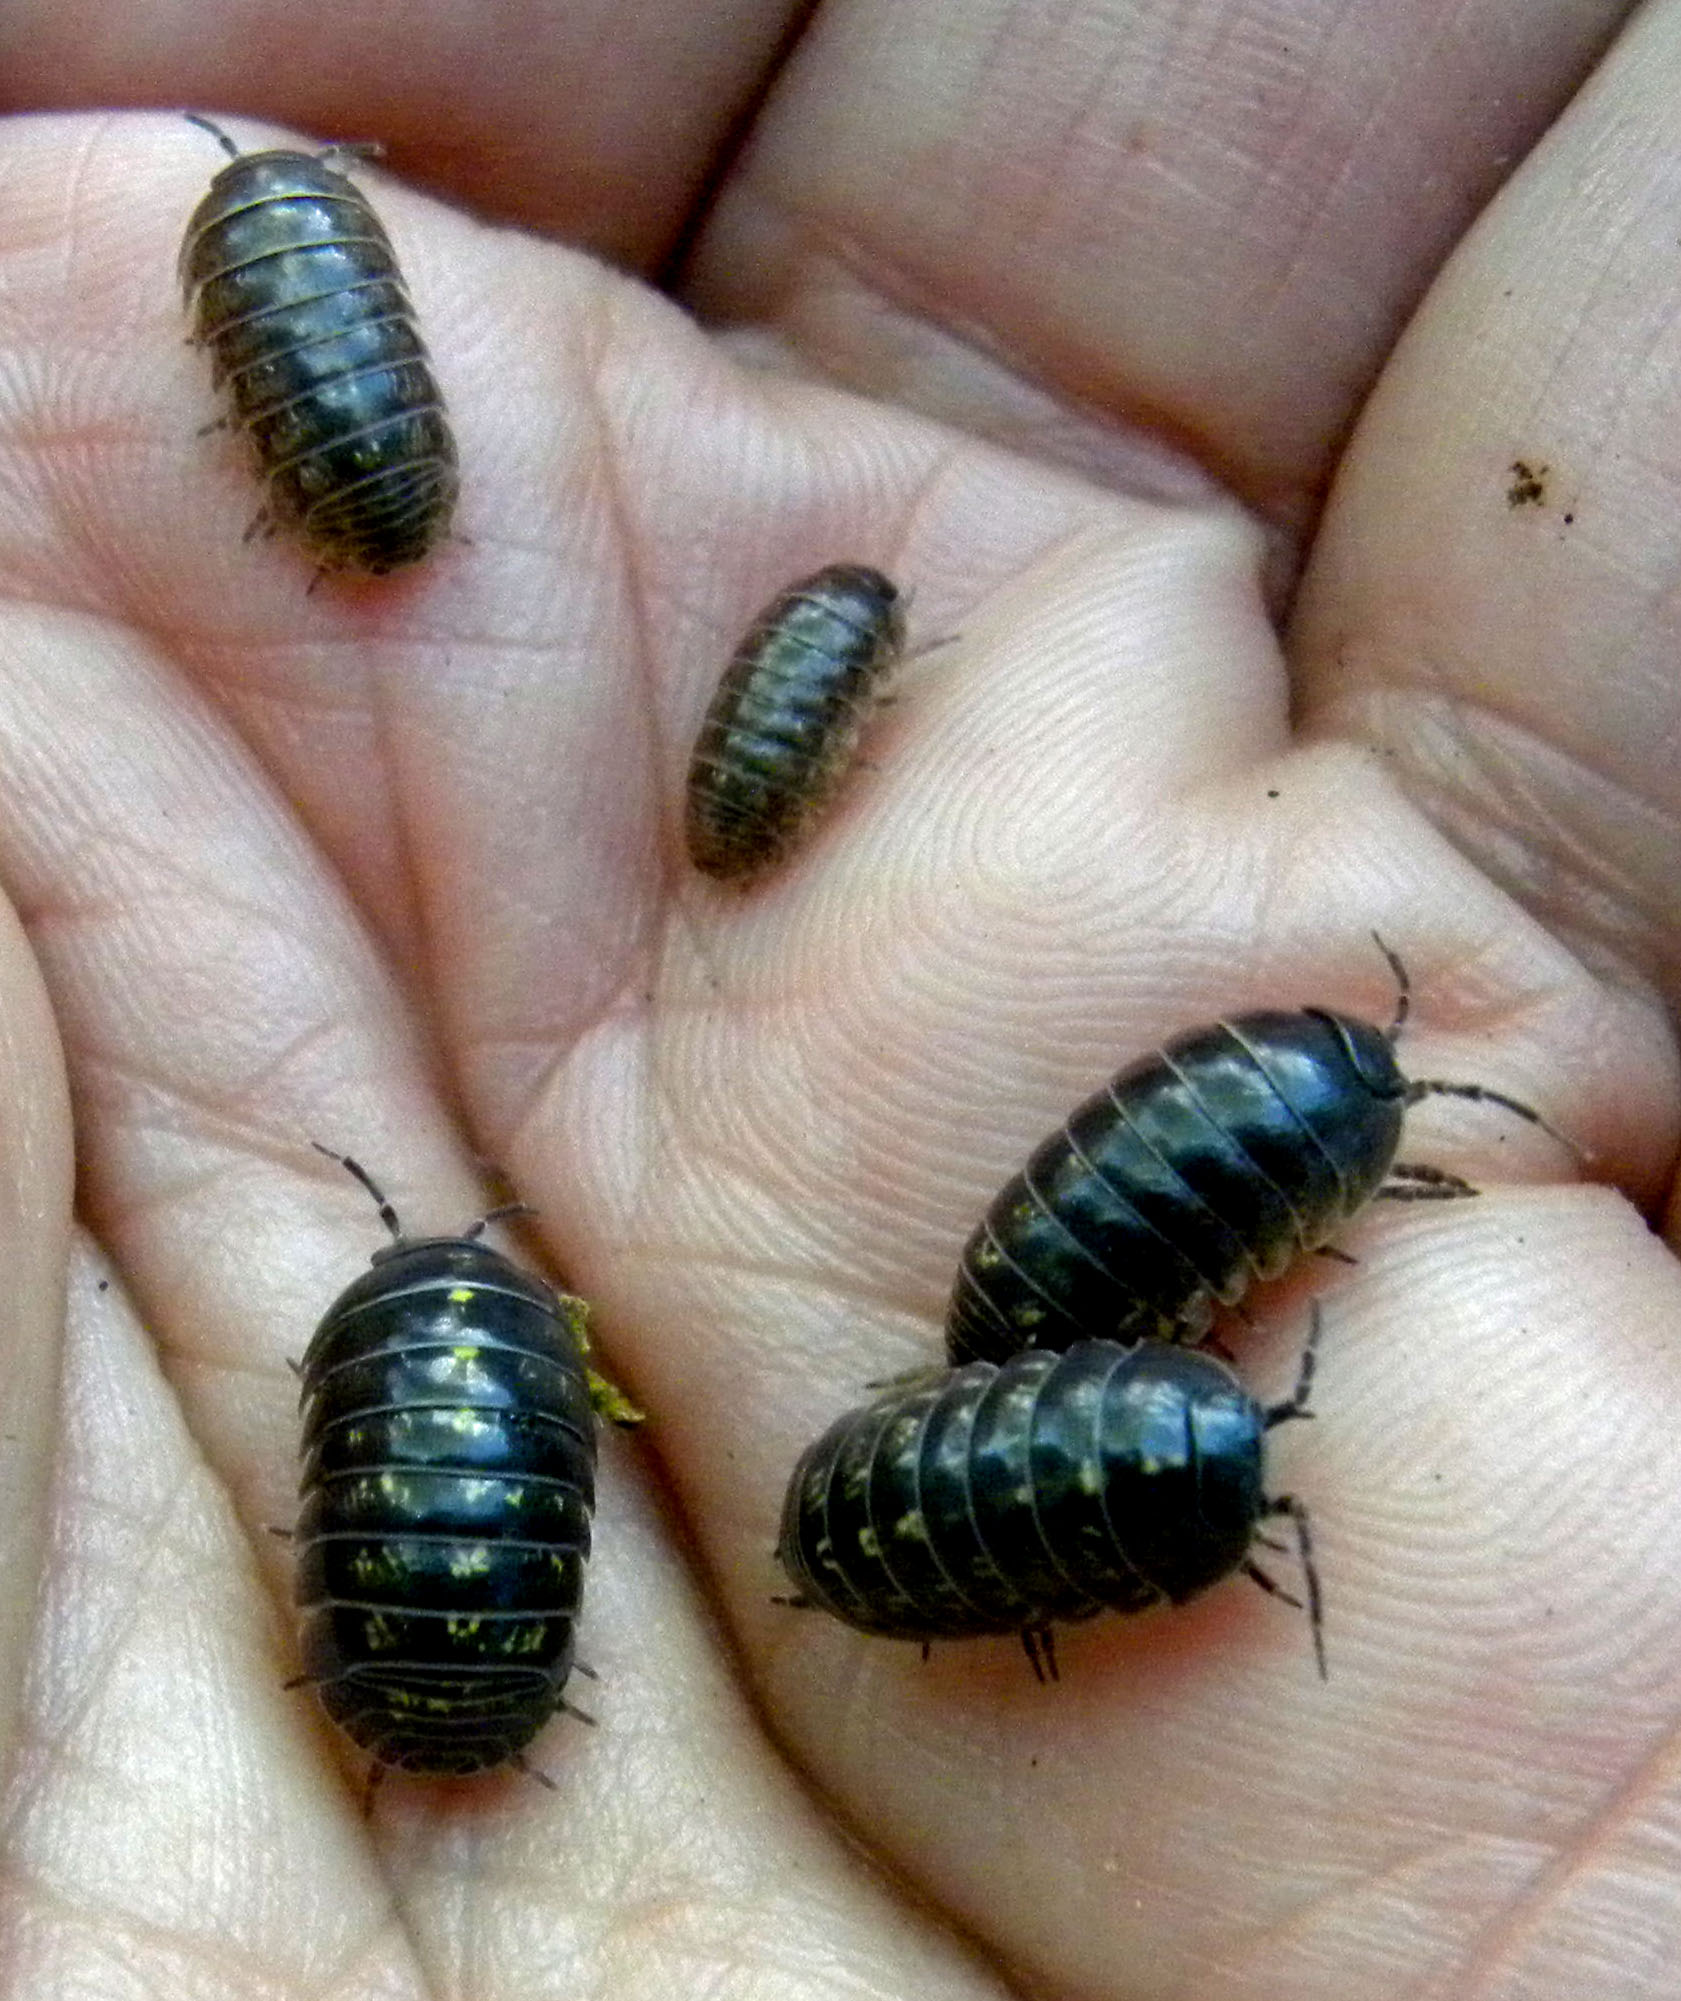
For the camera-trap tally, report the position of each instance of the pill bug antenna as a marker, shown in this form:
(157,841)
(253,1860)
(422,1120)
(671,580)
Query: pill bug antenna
(1437,1087)
(1403,988)
(387,1214)
(215,131)
(503,1213)
(1481,1094)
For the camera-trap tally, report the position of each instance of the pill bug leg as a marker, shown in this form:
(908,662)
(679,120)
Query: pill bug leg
(1416,1182)
(1039,1644)
(1295,1407)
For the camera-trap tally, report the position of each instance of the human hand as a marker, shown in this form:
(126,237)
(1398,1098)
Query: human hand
(397,868)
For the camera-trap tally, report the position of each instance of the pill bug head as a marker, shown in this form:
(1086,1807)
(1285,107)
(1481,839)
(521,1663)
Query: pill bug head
(423,1261)
(242,186)
(1339,1078)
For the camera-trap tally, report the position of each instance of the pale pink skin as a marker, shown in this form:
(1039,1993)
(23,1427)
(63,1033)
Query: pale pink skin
(399,868)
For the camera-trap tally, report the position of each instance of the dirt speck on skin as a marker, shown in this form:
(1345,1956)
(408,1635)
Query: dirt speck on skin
(1529,484)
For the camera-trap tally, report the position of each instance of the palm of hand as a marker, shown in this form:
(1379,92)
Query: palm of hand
(398,869)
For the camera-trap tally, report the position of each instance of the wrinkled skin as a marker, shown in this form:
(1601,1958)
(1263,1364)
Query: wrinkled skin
(397,868)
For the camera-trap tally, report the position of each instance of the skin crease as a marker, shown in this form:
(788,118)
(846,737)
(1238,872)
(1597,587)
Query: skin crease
(398,868)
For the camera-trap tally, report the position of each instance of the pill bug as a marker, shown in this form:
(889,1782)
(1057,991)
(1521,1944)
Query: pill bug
(785,721)
(1211,1164)
(294,288)
(447,1488)
(1004,1497)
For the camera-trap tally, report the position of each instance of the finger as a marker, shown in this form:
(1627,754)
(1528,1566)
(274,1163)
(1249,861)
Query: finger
(145,527)
(156,1713)
(1490,1477)
(223,1010)
(464,102)
(35,1186)
(1132,240)
(1506,637)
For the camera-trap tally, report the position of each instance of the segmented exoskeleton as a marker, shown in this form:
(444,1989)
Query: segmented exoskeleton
(294,289)
(785,721)
(1002,1498)
(447,1488)
(1213,1163)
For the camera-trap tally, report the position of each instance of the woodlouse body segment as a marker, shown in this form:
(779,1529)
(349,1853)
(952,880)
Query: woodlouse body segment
(294,288)
(1194,1173)
(785,722)
(1006,1497)
(1205,1167)
(447,1489)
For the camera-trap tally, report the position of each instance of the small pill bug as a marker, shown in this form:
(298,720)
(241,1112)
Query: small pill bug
(785,721)
(447,1488)
(1211,1164)
(1002,1497)
(294,288)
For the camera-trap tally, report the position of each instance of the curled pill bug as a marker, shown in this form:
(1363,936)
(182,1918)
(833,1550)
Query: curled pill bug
(447,1489)
(1211,1164)
(784,724)
(1009,1497)
(294,289)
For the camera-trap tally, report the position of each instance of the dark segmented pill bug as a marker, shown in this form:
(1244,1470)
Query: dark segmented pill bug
(785,721)
(448,1484)
(295,290)
(1211,1164)
(1005,1497)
